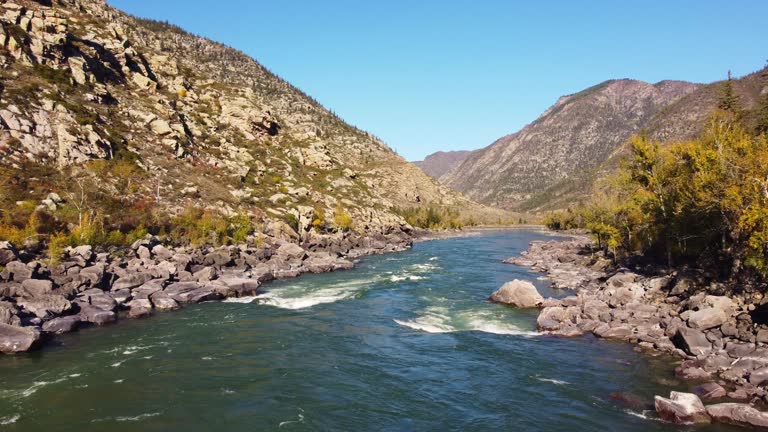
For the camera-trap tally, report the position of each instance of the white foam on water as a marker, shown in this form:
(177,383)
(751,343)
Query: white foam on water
(4,421)
(495,327)
(643,415)
(138,417)
(405,276)
(553,381)
(75,375)
(441,320)
(206,358)
(434,258)
(424,268)
(247,299)
(119,381)
(434,320)
(37,386)
(300,419)
(227,391)
(299,297)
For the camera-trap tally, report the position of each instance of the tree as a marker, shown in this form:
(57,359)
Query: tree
(729,100)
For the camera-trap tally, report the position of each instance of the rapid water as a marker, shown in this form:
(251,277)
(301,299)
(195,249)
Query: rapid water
(405,342)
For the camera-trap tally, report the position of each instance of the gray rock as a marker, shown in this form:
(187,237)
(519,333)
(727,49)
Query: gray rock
(707,318)
(291,252)
(121,296)
(9,314)
(163,302)
(241,286)
(207,274)
(692,341)
(139,308)
(97,298)
(132,280)
(15,339)
(759,376)
(8,253)
(93,274)
(37,287)
(681,408)
(45,306)
(62,324)
(18,271)
(85,252)
(551,318)
(95,315)
(518,293)
(146,290)
(179,291)
(709,391)
(738,414)
(162,253)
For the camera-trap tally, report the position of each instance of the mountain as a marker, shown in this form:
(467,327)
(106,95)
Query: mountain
(554,157)
(130,118)
(437,164)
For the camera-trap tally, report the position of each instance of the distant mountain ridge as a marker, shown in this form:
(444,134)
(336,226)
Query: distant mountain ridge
(573,137)
(439,163)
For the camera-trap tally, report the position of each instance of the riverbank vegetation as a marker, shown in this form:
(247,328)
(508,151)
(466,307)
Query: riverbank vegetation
(702,201)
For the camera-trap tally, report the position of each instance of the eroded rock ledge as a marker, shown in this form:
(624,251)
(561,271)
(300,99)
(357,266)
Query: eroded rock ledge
(720,336)
(39,299)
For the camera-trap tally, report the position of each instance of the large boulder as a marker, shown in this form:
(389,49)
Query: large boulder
(551,318)
(518,293)
(179,291)
(163,302)
(8,253)
(9,314)
(98,298)
(15,339)
(709,391)
(291,252)
(241,286)
(37,287)
(681,408)
(139,308)
(95,315)
(62,324)
(692,341)
(132,280)
(738,414)
(707,318)
(324,262)
(45,306)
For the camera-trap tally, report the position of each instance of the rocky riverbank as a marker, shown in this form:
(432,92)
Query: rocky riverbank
(718,331)
(40,299)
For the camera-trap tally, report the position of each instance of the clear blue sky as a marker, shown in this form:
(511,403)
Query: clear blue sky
(453,74)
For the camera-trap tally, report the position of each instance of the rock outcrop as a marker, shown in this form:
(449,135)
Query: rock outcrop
(682,314)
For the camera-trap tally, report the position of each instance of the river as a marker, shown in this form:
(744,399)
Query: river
(405,342)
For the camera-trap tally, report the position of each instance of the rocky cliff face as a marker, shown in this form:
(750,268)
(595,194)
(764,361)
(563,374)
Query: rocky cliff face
(85,86)
(561,151)
(437,164)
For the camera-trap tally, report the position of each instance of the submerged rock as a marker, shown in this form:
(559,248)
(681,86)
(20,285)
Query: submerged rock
(518,293)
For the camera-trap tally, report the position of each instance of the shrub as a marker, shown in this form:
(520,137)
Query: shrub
(57,242)
(341,219)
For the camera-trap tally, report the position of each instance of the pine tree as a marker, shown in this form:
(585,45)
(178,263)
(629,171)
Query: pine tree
(729,101)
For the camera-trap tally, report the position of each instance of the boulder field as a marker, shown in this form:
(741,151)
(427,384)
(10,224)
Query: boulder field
(39,299)
(717,331)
